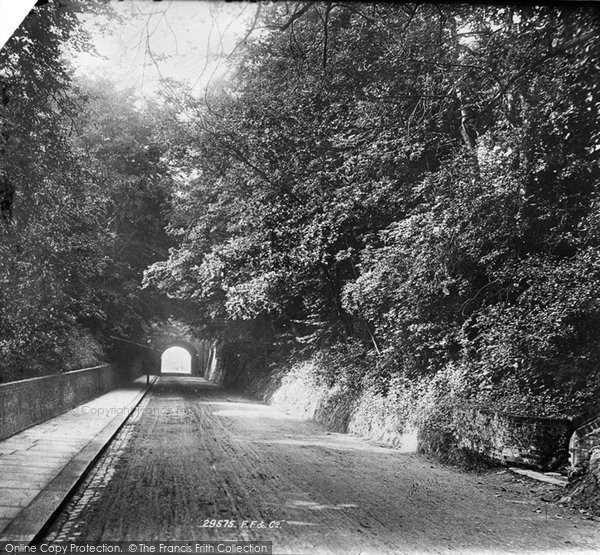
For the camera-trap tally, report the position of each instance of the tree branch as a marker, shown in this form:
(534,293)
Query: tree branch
(296,15)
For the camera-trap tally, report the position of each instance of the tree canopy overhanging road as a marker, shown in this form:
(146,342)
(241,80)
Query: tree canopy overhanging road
(396,202)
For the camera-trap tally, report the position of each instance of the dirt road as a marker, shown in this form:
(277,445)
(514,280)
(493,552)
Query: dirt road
(195,454)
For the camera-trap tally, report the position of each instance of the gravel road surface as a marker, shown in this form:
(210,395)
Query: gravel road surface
(193,455)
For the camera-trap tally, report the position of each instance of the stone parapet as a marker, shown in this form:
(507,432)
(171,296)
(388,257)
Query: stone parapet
(28,402)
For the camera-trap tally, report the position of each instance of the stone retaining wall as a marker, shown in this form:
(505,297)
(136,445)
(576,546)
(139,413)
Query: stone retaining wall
(29,402)
(541,443)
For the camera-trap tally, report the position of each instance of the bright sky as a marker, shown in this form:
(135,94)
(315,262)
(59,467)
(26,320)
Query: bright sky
(186,41)
(183,40)
(11,15)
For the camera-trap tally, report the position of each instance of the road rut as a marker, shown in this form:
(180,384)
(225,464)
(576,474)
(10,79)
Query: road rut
(194,453)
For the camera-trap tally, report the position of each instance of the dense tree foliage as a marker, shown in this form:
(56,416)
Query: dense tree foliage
(83,193)
(407,191)
(419,180)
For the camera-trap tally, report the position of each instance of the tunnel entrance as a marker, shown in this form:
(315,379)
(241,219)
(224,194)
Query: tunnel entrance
(201,353)
(176,360)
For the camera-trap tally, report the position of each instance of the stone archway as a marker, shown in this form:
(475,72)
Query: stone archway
(203,352)
(164,344)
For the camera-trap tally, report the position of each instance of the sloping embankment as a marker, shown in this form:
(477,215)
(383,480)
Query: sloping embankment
(300,392)
(430,417)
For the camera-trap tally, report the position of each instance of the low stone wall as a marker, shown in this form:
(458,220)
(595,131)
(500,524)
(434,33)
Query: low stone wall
(541,443)
(29,402)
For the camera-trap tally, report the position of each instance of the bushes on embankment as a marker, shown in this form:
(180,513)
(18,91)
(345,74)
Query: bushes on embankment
(336,390)
(438,415)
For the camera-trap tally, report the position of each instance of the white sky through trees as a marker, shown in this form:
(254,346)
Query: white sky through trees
(11,15)
(185,41)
